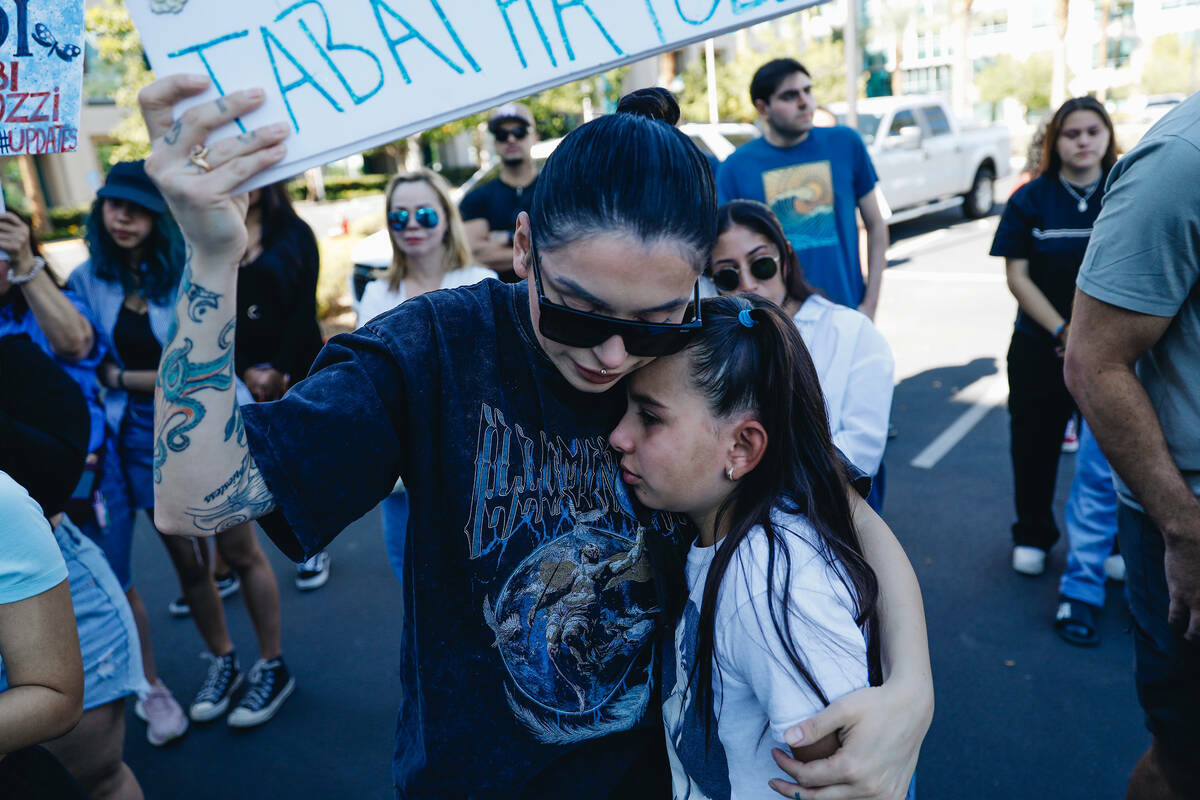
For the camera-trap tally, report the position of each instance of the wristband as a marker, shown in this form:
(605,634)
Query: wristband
(121,380)
(1058,333)
(39,263)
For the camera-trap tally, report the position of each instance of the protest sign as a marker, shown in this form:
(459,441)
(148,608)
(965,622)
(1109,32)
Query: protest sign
(348,75)
(41,76)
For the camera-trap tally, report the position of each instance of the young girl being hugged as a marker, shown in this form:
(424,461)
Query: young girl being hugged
(1042,237)
(852,359)
(779,616)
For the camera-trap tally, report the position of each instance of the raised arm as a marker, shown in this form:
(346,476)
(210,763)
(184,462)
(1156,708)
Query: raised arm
(882,727)
(205,480)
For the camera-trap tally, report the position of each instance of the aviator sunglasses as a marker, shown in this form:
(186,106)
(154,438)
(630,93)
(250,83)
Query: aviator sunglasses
(518,132)
(426,217)
(762,268)
(584,329)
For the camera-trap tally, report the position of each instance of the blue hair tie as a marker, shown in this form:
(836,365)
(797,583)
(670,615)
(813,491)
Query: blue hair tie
(745,319)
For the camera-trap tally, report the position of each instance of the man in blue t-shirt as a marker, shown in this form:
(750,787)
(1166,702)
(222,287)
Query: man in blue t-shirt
(812,178)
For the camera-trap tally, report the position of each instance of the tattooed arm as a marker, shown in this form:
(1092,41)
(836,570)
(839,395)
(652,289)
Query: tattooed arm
(205,479)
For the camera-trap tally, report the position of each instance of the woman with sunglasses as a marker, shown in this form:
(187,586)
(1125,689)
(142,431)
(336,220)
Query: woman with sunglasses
(429,251)
(853,360)
(532,586)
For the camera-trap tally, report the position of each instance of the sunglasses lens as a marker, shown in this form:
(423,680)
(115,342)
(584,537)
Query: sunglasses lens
(398,220)
(519,132)
(427,218)
(764,268)
(727,279)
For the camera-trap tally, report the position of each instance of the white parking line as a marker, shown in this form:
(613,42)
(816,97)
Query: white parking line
(901,274)
(990,391)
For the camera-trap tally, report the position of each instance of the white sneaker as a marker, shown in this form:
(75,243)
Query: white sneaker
(313,573)
(165,720)
(1029,560)
(1114,567)
(1070,442)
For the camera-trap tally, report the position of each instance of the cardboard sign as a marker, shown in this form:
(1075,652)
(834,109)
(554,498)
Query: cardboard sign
(41,76)
(349,75)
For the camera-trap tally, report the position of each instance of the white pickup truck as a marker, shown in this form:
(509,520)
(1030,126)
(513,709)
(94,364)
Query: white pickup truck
(926,160)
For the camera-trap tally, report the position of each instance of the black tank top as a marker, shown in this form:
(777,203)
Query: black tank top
(134,340)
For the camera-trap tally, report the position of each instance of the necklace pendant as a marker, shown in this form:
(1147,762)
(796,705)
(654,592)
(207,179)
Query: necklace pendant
(1082,206)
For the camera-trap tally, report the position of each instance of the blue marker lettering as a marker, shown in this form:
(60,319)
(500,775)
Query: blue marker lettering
(691,21)
(560,5)
(199,49)
(305,77)
(454,35)
(745,5)
(537,23)
(657,25)
(379,6)
(329,47)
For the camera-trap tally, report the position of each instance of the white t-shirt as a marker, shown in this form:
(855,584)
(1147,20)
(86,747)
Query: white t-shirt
(30,561)
(856,369)
(758,694)
(378,298)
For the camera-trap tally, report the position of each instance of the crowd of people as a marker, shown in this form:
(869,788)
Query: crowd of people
(647,388)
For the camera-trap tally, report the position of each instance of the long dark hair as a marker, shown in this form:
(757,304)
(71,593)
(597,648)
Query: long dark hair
(759,218)
(766,370)
(158,276)
(629,172)
(1051,162)
(276,212)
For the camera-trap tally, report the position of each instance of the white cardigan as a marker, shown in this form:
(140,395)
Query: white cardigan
(856,369)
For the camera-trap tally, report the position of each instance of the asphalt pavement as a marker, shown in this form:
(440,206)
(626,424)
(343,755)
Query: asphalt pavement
(1020,714)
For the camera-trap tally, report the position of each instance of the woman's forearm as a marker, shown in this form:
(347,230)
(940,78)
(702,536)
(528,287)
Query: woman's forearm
(206,479)
(68,332)
(1033,302)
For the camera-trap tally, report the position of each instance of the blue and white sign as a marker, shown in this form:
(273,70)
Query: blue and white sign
(41,76)
(353,74)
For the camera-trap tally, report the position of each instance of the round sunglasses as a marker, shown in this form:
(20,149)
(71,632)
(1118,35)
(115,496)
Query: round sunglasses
(426,217)
(762,268)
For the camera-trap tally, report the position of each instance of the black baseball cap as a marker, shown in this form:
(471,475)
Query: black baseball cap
(127,180)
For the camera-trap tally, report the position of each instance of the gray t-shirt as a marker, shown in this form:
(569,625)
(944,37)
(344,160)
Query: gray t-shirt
(1144,256)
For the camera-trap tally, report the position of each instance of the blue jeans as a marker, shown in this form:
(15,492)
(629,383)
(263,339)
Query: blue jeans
(1091,517)
(395,528)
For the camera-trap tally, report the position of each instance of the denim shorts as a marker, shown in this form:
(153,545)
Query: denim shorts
(108,640)
(135,446)
(113,529)
(1167,666)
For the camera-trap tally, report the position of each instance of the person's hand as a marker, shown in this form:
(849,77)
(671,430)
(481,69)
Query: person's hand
(14,240)
(212,219)
(881,729)
(1182,565)
(868,307)
(265,383)
(109,374)
(1061,348)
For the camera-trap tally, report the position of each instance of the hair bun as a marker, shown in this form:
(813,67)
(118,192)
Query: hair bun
(653,102)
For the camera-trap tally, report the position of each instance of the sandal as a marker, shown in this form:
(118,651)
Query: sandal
(1075,624)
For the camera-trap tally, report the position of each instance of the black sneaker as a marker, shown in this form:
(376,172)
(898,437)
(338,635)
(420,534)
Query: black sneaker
(227,584)
(270,685)
(222,681)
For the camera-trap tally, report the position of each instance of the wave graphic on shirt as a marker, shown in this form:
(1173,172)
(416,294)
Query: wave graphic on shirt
(802,197)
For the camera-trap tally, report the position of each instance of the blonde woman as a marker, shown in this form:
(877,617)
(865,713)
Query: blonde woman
(429,244)
(429,252)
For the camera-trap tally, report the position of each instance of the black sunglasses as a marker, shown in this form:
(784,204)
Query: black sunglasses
(518,132)
(426,217)
(583,329)
(762,268)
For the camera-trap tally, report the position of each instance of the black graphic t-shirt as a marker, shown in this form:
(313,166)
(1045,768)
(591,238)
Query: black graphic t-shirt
(1042,223)
(532,593)
(499,204)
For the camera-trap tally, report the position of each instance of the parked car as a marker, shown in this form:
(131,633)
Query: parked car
(373,255)
(927,160)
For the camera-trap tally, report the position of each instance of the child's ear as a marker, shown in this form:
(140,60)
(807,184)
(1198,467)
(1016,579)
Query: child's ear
(749,445)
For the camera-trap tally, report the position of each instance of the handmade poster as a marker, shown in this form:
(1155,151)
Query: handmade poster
(41,76)
(348,75)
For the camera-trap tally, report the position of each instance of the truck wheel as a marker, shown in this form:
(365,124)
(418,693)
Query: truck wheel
(978,201)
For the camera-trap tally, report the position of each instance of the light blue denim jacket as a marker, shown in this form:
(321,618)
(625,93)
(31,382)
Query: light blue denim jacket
(104,299)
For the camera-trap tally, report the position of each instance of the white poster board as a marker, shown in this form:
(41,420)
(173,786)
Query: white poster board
(41,76)
(349,75)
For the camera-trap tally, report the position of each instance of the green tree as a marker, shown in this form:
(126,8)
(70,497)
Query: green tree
(1026,81)
(120,49)
(1173,64)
